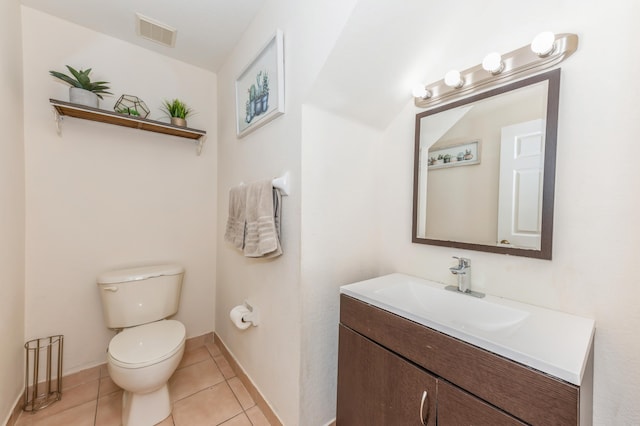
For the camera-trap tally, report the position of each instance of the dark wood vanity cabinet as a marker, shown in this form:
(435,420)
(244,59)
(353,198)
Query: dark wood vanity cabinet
(377,387)
(386,363)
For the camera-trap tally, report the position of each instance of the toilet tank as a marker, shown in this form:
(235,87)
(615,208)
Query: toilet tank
(135,296)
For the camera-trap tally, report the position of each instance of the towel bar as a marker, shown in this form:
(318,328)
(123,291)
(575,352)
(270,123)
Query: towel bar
(282,183)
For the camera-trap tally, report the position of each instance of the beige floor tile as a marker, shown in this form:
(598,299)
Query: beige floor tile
(109,411)
(104,371)
(224,366)
(257,417)
(167,422)
(241,393)
(194,342)
(214,350)
(80,377)
(72,397)
(199,393)
(189,380)
(81,415)
(107,386)
(239,420)
(209,407)
(194,356)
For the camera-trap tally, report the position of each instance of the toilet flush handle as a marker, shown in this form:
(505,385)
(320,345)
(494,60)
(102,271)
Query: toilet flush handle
(110,289)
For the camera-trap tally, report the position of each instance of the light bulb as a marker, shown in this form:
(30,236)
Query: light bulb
(493,63)
(419,91)
(543,44)
(453,79)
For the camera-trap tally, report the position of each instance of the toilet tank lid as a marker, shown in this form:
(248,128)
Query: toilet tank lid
(139,273)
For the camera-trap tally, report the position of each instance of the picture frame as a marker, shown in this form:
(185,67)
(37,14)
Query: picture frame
(260,87)
(463,154)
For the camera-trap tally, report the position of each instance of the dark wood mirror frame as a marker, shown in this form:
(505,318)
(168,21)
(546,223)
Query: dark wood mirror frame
(546,245)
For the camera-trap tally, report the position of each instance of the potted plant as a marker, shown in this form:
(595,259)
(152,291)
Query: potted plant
(178,111)
(83,91)
(447,158)
(128,111)
(265,91)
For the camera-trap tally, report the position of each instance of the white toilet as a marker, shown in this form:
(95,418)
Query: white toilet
(147,351)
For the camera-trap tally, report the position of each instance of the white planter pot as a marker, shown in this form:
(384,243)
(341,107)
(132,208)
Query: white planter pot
(83,97)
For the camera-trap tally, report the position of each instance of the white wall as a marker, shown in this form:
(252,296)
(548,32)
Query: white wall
(340,243)
(271,353)
(597,231)
(12,211)
(101,196)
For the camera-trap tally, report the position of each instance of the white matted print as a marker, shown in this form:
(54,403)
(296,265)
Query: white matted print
(260,88)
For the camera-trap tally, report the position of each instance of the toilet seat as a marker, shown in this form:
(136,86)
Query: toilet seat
(147,344)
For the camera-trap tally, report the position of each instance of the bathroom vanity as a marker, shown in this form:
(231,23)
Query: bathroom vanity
(403,362)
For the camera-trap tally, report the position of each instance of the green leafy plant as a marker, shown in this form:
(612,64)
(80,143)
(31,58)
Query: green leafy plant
(176,108)
(128,111)
(265,83)
(81,80)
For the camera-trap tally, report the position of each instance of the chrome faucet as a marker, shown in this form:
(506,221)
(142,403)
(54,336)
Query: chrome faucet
(463,272)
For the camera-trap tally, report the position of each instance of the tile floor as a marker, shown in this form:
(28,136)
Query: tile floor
(204,391)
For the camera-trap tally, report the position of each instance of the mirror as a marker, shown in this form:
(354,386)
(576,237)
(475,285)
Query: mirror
(484,170)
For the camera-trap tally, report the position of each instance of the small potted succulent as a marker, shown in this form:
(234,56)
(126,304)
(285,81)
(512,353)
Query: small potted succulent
(467,154)
(83,91)
(177,111)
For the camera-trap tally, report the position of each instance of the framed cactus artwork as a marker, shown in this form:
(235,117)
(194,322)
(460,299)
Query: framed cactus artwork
(260,88)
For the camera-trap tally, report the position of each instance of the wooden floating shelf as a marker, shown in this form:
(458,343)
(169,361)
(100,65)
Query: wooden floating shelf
(103,116)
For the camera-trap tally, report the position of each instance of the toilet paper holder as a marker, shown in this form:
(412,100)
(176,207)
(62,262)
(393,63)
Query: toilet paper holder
(252,316)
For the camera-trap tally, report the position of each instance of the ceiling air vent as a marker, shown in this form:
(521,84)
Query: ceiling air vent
(155,31)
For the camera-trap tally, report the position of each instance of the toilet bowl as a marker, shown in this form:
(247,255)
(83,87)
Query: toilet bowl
(140,360)
(148,347)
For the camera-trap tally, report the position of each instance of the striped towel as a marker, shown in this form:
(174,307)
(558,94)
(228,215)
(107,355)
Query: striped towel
(262,217)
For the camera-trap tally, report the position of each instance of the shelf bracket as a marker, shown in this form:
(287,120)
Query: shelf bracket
(199,142)
(58,119)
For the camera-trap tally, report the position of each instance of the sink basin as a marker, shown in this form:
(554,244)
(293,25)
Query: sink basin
(554,342)
(457,310)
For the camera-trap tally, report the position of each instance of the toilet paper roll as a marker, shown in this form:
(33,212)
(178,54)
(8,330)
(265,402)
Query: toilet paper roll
(236,315)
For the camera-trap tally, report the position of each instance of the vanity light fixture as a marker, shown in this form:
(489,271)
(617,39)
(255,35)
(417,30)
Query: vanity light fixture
(421,92)
(493,63)
(544,44)
(546,50)
(454,79)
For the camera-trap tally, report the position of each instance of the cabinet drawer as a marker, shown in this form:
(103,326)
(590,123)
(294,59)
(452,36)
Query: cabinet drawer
(527,394)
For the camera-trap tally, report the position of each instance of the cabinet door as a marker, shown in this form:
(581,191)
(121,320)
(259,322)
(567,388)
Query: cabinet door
(377,387)
(458,408)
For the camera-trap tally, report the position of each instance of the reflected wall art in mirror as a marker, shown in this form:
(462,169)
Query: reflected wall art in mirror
(484,170)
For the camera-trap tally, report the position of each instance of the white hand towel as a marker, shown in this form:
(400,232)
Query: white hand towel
(261,236)
(235,231)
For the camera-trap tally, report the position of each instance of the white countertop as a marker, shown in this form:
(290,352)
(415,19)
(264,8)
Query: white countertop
(553,342)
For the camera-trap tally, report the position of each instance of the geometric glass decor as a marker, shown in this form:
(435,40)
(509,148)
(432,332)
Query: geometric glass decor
(131,105)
